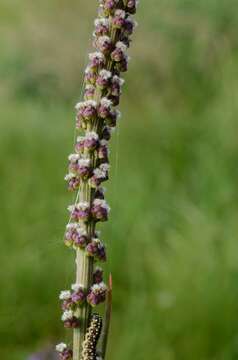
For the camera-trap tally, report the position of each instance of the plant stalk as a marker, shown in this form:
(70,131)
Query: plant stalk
(107,319)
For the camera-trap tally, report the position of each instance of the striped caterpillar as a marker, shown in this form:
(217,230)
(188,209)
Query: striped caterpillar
(91,338)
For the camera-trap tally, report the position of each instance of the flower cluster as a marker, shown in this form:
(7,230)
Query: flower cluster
(72,298)
(64,352)
(70,320)
(96,118)
(70,301)
(76,236)
(96,249)
(97,294)
(82,211)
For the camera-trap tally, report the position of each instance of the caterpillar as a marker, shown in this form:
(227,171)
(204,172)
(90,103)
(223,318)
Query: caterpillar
(91,338)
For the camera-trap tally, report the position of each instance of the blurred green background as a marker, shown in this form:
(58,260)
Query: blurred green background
(172,235)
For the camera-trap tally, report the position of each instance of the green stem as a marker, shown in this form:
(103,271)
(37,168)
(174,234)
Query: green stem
(107,320)
(84,264)
(84,273)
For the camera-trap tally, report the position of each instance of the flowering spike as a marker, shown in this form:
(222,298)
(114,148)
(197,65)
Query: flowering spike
(96,118)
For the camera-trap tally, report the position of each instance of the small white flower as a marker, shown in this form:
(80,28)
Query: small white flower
(81,231)
(87,70)
(76,287)
(103,142)
(92,103)
(120,13)
(106,102)
(103,39)
(91,135)
(133,21)
(101,245)
(84,162)
(65,295)
(61,347)
(118,80)
(83,205)
(105,167)
(73,157)
(96,240)
(80,138)
(89,87)
(95,287)
(99,287)
(102,203)
(105,74)
(99,173)
(67,315)
(102,285)
(96,55)
(98,268)
(120,45)
(101,21)
(79,105)
(72,225)
(69,176)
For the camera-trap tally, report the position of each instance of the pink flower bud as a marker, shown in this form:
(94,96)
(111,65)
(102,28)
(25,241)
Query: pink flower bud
(98,275)
(73,181)
(118,21)
(72,323)
(102,26)
(97,294)
(80,211)
(97,60)
(75,236)
(100,210)
(103,151)
(103,44)
(119,53)
(122,66)
(110,5)
(132,6)
(96,249)
(89,92)
(104,108)
(84,168)
(78,296)
(104,79)
(91,141)
(90,76)
(79,146)
(112,118)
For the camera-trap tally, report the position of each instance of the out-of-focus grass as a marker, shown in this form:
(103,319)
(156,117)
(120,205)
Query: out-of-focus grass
(172,236)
